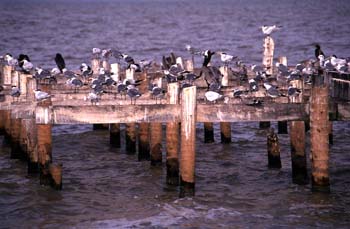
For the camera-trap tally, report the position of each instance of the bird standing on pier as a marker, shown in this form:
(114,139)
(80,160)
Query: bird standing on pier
(21,58)
(212,96)
(10,60)
(75,83)
(41,95)
(293,91)
(133,93)
(267,30)
(15,92)
(26,66)
(207,57)
(318,51)
(93,97)
(85,70)
(226,58)
(156,92)
(253,85)
(60,62)
(272,91)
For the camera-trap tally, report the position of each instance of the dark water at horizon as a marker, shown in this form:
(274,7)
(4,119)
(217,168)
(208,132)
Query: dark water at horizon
(105,188)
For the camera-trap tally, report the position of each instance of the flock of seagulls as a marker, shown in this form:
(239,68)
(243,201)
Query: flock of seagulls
(103,81)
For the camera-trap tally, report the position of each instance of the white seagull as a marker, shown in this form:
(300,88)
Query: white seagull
(41,95)
(267,30)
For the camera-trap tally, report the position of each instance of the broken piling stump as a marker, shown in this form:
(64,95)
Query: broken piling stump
(273,150)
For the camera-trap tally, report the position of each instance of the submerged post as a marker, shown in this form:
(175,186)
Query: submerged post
(31,142)
(15,139)
(144,144)
(319,122)
(114,134)
(130,138)
(273,150)
(208,132)
(188,141)
(172,140)
(156,143)
(297,142)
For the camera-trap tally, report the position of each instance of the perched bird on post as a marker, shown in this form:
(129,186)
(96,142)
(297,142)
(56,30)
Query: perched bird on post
(60,62)
(318,51)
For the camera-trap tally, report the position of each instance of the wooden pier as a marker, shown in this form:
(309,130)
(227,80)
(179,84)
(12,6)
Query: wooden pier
(27,123)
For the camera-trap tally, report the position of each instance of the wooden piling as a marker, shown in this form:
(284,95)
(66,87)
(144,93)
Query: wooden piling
(282,127)
(189,65)
(264,125)
(55,172)
(208,132)
(319,123)
(114,134)
(297,140)
(2,122)
(106,65)
(31,143)
(225,127)
(130,138)
(172,140)
(188,141)
(95,66)
(7,74)
(144,142)
(156,143)
(273,150)
(44,152)
(115,69)
(15,139)
(269,47)
(7,124)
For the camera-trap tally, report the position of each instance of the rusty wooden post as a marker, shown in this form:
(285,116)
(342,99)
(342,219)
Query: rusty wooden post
(7,124)
(22,138)
(273,150)
(144,141)
(189,65)
(95,65)
(264,125)
(208,132)
(130,138)
(156,143)
(188,141)
(2,122)
(269,47)
(319,122)
(115,69)
(31,143)
(7,74)
(114,134)
(44,151)
(330,133)
(225,127)
(15,139)
(55,176)
(297,140)
(172,140)
(106,65)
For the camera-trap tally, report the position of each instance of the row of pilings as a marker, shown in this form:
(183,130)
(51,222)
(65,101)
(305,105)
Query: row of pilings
(31,140)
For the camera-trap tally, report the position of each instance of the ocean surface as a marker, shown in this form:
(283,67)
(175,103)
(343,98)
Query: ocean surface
(103,187)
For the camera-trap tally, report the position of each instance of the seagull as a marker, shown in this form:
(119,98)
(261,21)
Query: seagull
(93,97)
(318,51)
(26,66)
(253,85)
(157,92)
(238,92)
(20,59)
(211,74)
(41,95)
(75,82)
(96,53)
(121,89)
(192,50)
(133,93)
(10,60)
(60,62)
(212,96)
(85,70)
(226,58)
(293,91)
(272,91)
(267,30)
(15,92)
